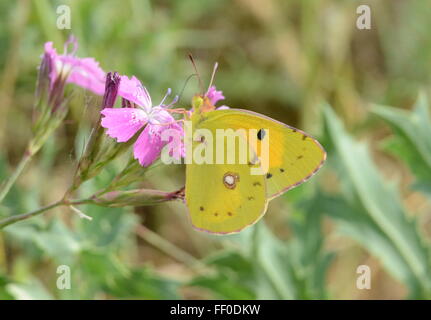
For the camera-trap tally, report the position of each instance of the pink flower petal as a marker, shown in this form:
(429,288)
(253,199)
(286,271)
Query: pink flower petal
(160,115)
(164,117)
(132,90)
(53,56)
(148,146)
(84,72)
(178,149)
(123,123)
(214,95)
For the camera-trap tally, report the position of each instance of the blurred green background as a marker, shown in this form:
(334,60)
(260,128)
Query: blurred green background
(362,93)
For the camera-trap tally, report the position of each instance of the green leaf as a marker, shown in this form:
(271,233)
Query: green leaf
(109,228)
(54,240)
(107,273)
(306,248)
(31,290)
(133,172)
(372,212)
(276,278)
(412,141)
(143,283)
(233,279)
(4,294)
(101,267)
(270,268)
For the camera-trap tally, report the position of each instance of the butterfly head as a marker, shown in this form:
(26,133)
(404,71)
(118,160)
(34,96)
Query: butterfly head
(202,104)
(205,101)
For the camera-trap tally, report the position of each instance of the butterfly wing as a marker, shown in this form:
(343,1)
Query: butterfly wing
(294,156)
(223,198)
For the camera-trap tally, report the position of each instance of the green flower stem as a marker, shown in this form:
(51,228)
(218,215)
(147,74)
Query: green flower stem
(171,250)
(5,188)
(10,220)
(137,197)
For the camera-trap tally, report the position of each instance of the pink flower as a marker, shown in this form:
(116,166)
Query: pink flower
(150,143)
(133,91)
(124,123)
(214,95)
(84,72)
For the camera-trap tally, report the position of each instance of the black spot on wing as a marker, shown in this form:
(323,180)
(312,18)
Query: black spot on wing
(261,134)
(269,175)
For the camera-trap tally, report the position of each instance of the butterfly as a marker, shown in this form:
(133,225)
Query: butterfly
(225,197)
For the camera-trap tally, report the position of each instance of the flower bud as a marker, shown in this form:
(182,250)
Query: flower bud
(111,89)
(136,198)
(100,150)
(51,101)
(43,80)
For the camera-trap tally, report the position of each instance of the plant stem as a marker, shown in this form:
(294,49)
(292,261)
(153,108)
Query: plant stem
(7,221)
(160,196)
(5,188)
(170,249)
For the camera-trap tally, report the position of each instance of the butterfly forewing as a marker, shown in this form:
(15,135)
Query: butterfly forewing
(294,156)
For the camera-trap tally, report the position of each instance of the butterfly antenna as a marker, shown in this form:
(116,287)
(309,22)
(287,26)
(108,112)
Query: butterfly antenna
(213,75)
(197,72)
(184,86)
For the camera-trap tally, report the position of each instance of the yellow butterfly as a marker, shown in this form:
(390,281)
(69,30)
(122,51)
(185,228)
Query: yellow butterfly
(225,197)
